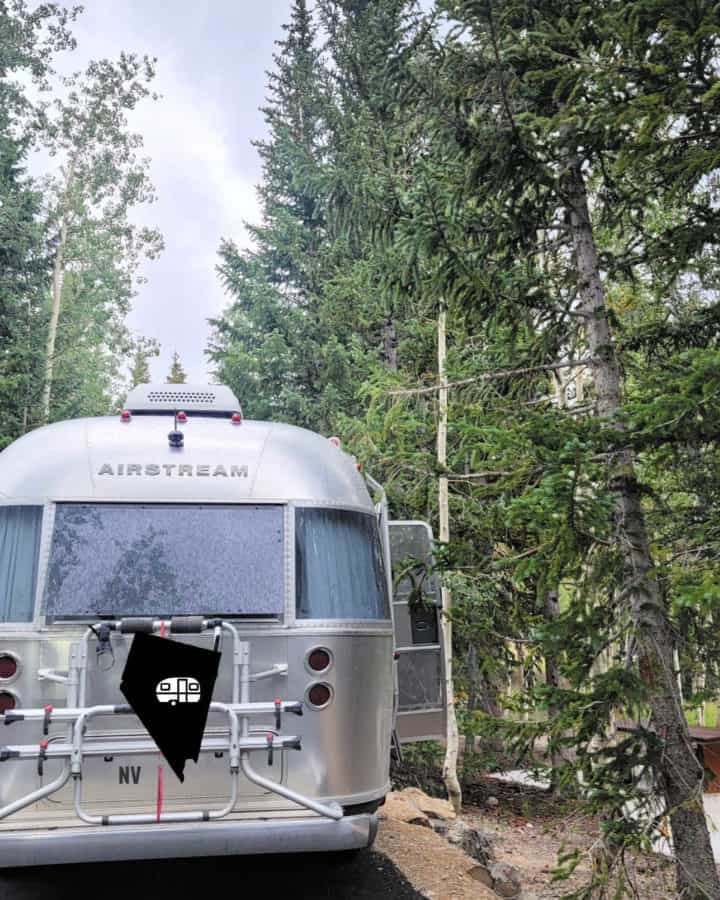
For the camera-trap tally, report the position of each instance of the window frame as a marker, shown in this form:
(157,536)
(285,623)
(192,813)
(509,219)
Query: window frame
(384,624)
(33,622)
(267,619)
(287,621)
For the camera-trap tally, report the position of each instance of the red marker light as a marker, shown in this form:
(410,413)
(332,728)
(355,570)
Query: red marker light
(335,441)
(319,695)
(8,666)
(181,416)
(125,415)
(236,418)
(319,659)
(358,466)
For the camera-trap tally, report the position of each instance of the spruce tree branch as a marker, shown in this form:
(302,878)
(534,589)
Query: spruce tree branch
(493,376)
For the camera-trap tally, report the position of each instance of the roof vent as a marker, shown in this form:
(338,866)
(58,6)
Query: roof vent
(210,399)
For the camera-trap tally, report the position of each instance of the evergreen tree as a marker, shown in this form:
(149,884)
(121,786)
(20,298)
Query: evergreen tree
(547,174)
(269,345)
(176,375)
(520,148)
(140,366)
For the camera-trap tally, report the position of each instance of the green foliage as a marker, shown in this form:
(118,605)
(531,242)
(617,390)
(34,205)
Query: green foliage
(143,350)
(439,167)
(73,221)
(176,375)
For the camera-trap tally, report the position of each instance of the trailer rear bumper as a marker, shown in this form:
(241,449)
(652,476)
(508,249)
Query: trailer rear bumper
(33,847)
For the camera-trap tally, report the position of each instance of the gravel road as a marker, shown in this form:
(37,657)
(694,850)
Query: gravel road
(322,876)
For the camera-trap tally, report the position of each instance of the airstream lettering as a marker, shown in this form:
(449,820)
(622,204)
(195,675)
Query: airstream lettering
(168,469)
(280,560)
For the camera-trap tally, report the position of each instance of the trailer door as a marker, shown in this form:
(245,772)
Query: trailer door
(416,617)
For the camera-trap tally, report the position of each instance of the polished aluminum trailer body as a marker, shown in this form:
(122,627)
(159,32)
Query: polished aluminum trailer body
(343,763)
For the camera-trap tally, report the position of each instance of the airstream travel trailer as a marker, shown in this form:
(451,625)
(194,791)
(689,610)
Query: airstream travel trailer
(181,520)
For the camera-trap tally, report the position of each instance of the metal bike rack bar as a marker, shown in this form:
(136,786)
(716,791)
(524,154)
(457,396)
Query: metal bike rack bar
(70,714)
(138,747)
(237,742)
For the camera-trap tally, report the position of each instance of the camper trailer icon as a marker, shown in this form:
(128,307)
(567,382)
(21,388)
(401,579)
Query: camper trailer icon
(178,690)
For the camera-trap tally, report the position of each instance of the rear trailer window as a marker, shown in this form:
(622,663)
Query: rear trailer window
(339,572)
(166,559)
(19,546)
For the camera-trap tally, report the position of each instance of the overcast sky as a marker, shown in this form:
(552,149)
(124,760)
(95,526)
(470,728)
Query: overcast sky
(211,66)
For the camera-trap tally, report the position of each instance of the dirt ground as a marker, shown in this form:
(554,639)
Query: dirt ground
(533,844)
(441,872)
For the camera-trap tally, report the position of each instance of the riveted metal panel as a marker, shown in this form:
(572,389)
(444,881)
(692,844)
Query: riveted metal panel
(107,459)
(345,755)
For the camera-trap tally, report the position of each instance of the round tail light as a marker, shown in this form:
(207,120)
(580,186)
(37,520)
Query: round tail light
(7,701)
(319,659)
(319,695)
(8,666)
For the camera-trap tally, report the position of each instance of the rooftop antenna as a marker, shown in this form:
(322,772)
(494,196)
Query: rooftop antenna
(176,438)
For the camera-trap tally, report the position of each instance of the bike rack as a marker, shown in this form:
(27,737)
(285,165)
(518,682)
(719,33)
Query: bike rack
(238,742)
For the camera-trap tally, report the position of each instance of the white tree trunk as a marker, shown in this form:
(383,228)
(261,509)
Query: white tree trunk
(452,785)
(58,278)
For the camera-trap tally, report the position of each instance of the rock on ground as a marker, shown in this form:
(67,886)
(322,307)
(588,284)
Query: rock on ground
(472,841)
(433,807)
(400,809)
(506,880)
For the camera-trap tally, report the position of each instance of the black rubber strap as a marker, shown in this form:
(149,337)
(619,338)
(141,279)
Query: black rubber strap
(11,717)
(187,624)
(136,626)
(278,713)
(8,754)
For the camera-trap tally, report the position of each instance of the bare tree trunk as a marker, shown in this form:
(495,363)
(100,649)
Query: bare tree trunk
(390,354)
(452,785)
(551,610)
(679,773)
(473,677)
(56,294)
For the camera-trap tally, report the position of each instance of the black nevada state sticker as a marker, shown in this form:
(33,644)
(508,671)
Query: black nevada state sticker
(169,685)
